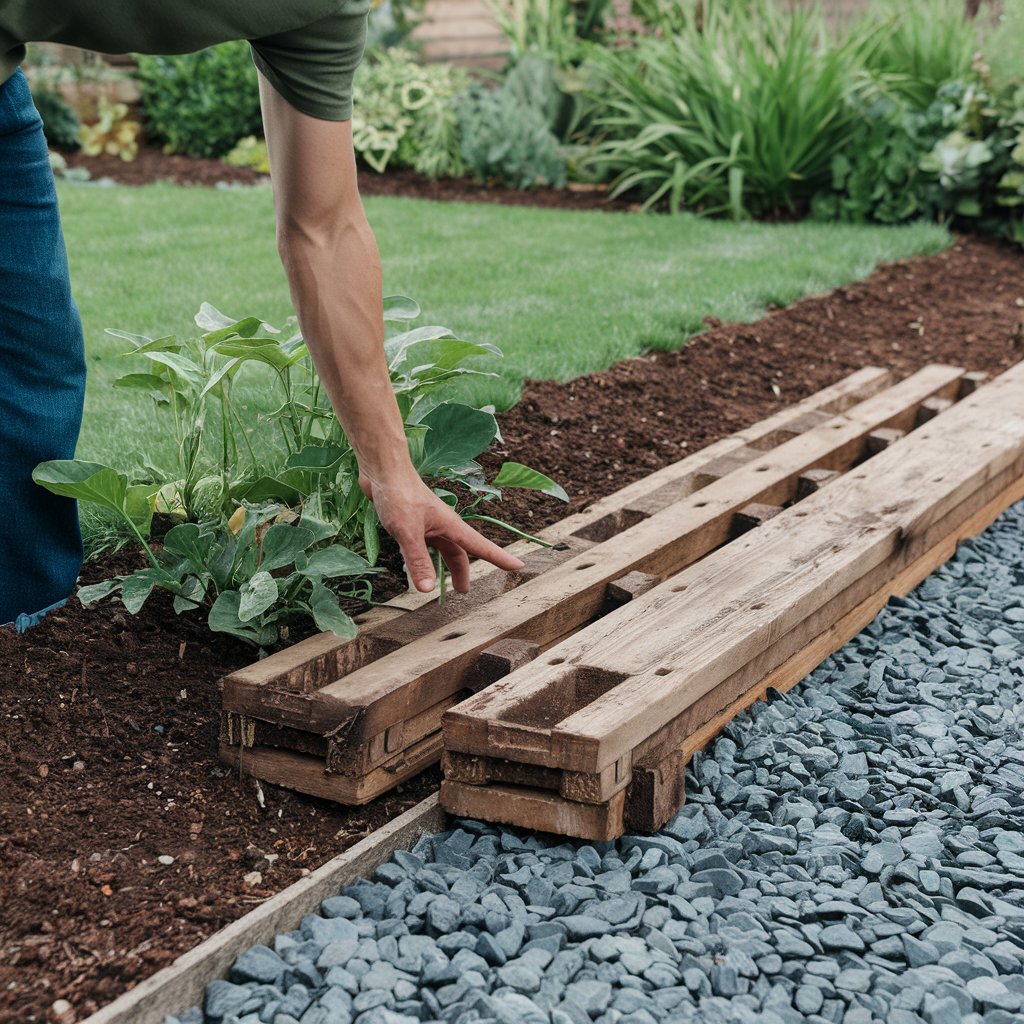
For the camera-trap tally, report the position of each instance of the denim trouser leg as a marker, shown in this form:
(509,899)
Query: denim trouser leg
(42,370)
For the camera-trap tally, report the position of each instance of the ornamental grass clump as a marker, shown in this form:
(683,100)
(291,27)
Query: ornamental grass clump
(737,113)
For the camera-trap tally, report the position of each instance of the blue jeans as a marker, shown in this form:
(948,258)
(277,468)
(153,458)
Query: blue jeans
(42,371)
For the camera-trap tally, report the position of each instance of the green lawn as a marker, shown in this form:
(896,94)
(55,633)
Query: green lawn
(562,293)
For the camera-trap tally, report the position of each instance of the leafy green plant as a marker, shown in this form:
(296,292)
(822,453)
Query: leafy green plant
(740,114)
(246,492)
(60,123)
(200,104)
(507,137)
(249,152)
(919,46)
(403,114)
(1003,45)
(553,28)
(961,158)
(114,133)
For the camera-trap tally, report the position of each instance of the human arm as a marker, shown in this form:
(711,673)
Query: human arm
(333,268)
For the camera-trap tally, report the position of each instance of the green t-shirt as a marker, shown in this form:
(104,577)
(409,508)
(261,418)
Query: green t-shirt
(307,49)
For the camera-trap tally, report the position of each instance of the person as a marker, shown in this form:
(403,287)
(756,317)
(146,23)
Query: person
(306,53)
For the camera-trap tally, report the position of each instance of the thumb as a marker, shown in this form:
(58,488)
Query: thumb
(419,563)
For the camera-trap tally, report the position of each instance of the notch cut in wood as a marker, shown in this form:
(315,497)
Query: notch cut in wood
(879,440)
(813,480)
(752,516)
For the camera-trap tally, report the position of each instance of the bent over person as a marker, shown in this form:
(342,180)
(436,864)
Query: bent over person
(306,52)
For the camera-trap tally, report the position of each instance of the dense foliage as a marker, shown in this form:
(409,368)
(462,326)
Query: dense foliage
(200,104)
(272,523)
(403,113)
(60,122)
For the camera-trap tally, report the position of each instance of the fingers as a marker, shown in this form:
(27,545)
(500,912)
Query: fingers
(417,561)
(480,547)
(457,561)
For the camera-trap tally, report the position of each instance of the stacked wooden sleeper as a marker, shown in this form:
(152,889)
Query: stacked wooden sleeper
(593,739)
(348,720)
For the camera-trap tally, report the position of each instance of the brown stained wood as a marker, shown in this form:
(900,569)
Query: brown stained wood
(752,516)
(736,606)
(570,594)
(813,480)
(535,809)
(657,791)
(498,660)
(307,774)
(699,525)
(932,408)
(656,788)
(970,382)
(879,440)
(629,587)
(356,759)
(797,667)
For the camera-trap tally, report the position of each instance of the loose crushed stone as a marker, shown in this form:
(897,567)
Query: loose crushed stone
(851,852)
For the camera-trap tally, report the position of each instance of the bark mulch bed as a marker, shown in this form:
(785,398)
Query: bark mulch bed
(152,164)
(108,722)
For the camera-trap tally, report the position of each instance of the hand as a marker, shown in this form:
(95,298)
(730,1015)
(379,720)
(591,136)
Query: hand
(416,518)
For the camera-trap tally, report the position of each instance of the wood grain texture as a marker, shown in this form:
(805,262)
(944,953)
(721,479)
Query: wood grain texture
(180,985)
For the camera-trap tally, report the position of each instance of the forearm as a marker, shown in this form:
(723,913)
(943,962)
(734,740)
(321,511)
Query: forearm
(342,323)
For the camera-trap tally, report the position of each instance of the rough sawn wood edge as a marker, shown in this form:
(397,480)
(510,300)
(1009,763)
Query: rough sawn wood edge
(180,985)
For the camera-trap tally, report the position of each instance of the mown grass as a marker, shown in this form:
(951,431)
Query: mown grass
(562,293)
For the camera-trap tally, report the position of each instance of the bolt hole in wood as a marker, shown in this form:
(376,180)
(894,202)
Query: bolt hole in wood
(662,671)
(585,565)
(451,636)
(556,661)
(700,504)
(679,589)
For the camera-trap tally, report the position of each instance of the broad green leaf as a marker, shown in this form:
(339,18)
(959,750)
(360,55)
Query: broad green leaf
(396,348)
(457,434)
(513,474)
(268,488)
(256,349)
(189,541)
(315,458)
(335,560)
(137,587)
(400,307)
(143,344)
(282,543)
(223,618)
(139,500)
(209,318)
(86,481)
(97,591)
(257,595)
(193,593)
(446,496)
(244,328)
(141,381)
(187,369)
(327,613)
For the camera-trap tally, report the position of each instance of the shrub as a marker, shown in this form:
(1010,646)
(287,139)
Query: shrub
(201,104)
(60,123)
(740,113)
(114,133)
(250,152)
(403,114)
(553,28)
(506,131)
(1004,45)
(961,158)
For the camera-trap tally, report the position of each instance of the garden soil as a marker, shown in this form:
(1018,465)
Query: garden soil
(152,164)
(108,722)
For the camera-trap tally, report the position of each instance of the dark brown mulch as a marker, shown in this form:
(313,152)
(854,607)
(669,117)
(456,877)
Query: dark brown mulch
(108,725)
(152,164)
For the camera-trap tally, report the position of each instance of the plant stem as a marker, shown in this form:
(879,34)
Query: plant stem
(511,529)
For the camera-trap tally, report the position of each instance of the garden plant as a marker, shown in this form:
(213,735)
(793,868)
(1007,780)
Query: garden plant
(271,523)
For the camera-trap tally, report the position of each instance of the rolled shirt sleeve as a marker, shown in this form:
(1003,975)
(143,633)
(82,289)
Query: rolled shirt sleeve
(313,67)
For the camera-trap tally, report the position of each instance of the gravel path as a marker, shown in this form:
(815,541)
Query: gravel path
(852,851)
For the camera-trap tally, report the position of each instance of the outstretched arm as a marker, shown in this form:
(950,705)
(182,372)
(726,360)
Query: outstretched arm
(333,267)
